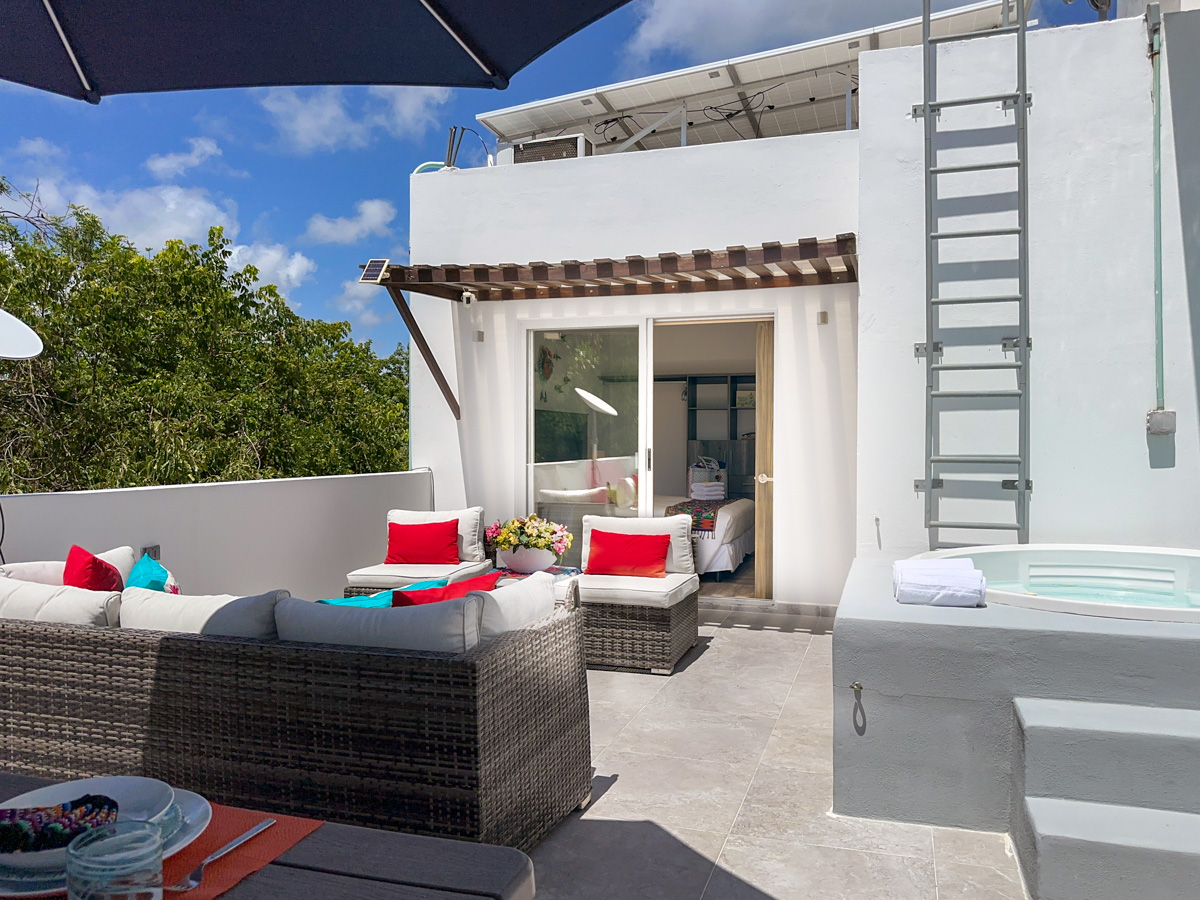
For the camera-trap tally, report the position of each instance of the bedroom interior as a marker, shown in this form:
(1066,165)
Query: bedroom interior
(708,399)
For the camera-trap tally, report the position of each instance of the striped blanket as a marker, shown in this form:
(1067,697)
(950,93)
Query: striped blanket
(703,513)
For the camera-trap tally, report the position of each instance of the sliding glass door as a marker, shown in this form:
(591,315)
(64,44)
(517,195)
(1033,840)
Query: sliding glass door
(584,437)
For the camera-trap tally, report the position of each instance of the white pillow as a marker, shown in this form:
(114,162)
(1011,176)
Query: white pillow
(679,554)
(56,603)
(225,614)
(516,605)
(42,572)
(121,559)
(586,495)
(470,527)
(451,626)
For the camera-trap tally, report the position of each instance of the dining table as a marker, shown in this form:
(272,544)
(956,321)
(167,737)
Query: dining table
(348,862)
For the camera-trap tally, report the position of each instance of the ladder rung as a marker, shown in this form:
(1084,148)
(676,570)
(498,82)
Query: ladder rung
(975,393)
(985,232)
(947,301)
(1010,460)
(976,167)
(971,35)
(975,367)
(986,526)
(975,101)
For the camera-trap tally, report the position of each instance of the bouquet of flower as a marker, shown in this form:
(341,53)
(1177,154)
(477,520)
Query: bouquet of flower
(530,531)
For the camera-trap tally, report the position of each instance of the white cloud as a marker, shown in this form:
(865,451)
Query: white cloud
(167,166)
(357,302)
(374,217)
(39,149)
(708,30)
(328,118)
(275,264)
(151,216)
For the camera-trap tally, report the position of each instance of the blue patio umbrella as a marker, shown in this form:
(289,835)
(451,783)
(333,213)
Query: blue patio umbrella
(90,49)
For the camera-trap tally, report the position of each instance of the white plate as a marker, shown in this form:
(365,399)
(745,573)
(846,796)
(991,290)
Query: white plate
(196,812)
(138,800)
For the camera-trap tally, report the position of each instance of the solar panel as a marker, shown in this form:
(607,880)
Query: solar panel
(375,271)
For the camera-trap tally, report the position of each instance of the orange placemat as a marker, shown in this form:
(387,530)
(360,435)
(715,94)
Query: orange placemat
(227,823)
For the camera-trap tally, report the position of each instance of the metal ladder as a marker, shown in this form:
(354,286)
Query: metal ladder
(1010,468)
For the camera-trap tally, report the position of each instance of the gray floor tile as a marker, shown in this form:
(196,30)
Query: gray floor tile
(771,869)
(607,721)
(806,747)
(608,859)
(795,805)
(959,882)
(734,678)
(663,728)
(972,848)
(701,795)
(630,689)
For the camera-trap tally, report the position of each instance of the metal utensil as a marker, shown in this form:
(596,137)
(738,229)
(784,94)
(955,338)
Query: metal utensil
(193,880)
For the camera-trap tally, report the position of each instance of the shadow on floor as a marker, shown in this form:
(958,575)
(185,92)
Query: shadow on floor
(614,859)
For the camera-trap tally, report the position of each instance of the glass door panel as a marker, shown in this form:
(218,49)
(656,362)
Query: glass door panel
(584,438)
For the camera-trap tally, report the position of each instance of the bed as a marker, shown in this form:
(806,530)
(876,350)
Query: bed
(732,540)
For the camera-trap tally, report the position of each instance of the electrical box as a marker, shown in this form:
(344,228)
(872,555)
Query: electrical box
(1160,421)
(567,146)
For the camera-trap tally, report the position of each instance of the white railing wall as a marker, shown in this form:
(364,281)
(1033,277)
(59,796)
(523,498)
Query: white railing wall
(302,534)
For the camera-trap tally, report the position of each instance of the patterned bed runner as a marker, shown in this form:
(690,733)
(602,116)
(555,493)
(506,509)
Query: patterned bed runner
(703,513)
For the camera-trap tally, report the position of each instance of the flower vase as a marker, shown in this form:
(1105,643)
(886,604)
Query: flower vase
(526,560)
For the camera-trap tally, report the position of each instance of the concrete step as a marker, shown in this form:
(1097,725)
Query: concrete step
(1109,753)
(1074,850)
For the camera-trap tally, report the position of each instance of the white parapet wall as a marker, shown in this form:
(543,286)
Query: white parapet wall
(677,200)
(245,537)
(1097,476)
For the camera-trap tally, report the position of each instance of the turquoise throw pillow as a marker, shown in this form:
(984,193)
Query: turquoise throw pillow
(148,573)
(384,598)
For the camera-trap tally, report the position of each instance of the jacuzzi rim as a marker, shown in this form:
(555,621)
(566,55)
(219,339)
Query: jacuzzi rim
(1078,607)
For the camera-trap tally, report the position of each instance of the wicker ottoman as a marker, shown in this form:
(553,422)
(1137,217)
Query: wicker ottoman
(639,637)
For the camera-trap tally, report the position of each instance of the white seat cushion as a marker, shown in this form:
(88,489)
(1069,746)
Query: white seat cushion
(120,558)
(451,626)
(224,614)
(516,605)
(470,527)
(56,603)
(384,576)
(679,554)
(631,590)
(51,571)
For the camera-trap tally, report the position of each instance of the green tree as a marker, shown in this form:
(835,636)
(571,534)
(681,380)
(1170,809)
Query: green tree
(171,368)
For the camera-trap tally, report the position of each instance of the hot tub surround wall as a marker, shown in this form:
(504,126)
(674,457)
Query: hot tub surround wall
(933,736)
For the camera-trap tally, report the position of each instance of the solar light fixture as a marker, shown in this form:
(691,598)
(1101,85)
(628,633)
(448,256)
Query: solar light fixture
(375,271)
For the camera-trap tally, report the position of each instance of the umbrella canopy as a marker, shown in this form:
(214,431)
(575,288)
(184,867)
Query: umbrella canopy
(89,49)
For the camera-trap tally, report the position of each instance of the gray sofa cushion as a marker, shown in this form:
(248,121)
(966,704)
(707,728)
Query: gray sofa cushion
(55,603)
(451,626)
(630,590)
(223,614)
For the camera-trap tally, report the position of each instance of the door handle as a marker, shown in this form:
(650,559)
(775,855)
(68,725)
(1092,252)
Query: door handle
(763,478)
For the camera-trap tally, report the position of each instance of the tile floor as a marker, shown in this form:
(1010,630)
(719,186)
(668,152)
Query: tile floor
(730,585)
(716,784)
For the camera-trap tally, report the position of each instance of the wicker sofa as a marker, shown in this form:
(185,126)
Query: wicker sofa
(489,745)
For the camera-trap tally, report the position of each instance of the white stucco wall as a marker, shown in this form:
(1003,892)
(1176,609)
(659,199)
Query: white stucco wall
(1096,475)
(301,534)
(647,203)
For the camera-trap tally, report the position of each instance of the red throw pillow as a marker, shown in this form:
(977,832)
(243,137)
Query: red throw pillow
(427,544)
(645,555)
(449,592)
(88,571)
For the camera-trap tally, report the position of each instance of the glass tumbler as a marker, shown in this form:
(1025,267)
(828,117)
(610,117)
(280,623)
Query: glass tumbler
(116,862)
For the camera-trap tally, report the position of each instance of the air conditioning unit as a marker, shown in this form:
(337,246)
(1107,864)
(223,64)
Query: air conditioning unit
(565,146)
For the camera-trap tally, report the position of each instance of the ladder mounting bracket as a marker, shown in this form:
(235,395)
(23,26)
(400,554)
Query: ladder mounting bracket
(1010,484)
(919,484)
(922,349)
(1013,343)
(1010,104)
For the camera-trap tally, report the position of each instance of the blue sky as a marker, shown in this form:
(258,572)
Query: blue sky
(309,183)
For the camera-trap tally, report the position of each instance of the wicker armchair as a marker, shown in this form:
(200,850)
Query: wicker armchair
(491,745)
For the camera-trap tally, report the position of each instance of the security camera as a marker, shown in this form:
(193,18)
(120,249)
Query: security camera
(469,298)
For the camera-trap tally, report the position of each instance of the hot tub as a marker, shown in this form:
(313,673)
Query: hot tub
(1152,583)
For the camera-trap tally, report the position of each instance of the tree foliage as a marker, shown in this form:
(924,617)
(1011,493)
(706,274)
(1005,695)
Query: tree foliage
(171,368)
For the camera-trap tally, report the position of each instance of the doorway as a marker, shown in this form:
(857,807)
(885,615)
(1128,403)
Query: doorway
(712,437)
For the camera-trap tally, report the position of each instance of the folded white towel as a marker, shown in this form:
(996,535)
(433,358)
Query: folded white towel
(928,565)
(708,495)
(953,587)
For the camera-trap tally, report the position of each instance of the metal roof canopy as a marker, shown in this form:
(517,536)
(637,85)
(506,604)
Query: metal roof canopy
(88,49)
(806,87)
(803,263)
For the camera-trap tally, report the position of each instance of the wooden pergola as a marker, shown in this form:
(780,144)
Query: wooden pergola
(803,263)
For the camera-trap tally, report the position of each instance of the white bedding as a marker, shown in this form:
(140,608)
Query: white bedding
(732,539)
